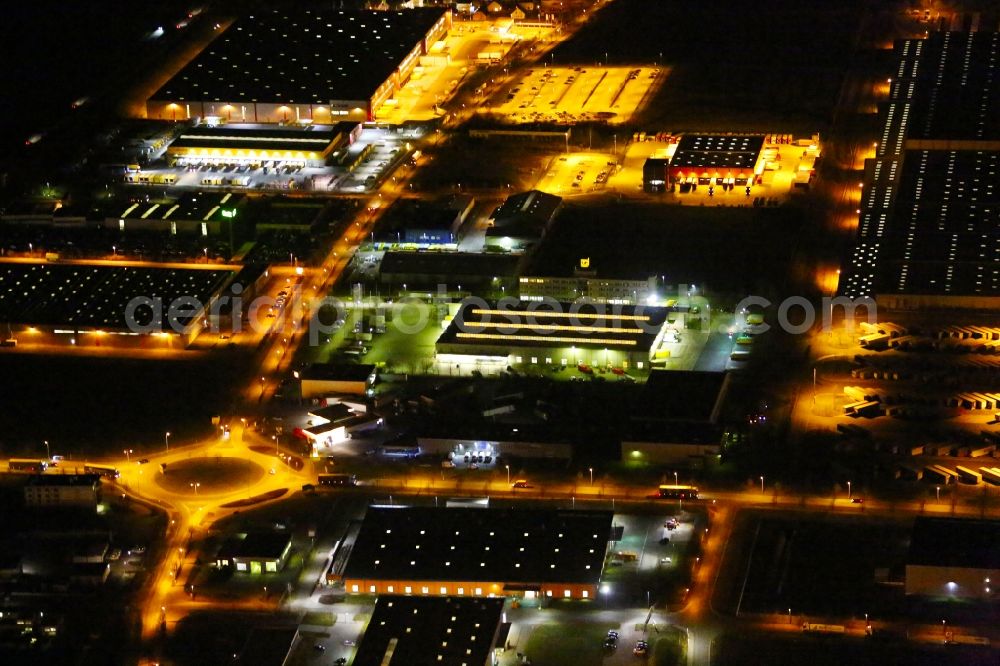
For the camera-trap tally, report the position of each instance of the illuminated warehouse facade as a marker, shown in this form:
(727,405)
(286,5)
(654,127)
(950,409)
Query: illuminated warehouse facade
(284,66)
(550,333)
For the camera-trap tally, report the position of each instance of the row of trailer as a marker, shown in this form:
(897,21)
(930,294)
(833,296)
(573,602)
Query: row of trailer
(887,334)
(944,475)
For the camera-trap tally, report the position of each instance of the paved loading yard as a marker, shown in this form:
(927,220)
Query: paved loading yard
(572,94)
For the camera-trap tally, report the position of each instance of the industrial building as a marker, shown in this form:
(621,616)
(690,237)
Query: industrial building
(255,553)
(80,490)
(521,220)
(676,419)
(577,334)
(255,145)
(955,558)
(193,213)
(450,630)
(705,159)
(323,379)
(927,212)
(84,304)
(422,224)
(302,66)
(489,272)
(473,552)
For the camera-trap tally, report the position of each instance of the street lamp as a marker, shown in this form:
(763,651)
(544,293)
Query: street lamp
(128,455)
(591,470)
(762,484)
(675,478)
(47,453)
(166,439)
(938,490)
(195,486)
(508,474)
(848,490)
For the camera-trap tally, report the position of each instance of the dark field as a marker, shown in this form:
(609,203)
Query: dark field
(796,650)
(725,250)
(821,565)
(771,65)
(95,406)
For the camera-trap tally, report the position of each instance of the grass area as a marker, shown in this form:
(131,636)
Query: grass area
(319,618)
(557,645)
(213,474)
(669,650)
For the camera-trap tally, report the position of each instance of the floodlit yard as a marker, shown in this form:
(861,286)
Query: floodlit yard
(572,94)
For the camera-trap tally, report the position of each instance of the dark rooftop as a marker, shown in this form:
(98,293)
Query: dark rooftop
(449,263)
(591,326)
(718,150)
(338,372)
(264,545)
(427,631)
(533,206)
(681,396)
(501,545)
(301,56)
(63,479)
(955,542)
(198,206)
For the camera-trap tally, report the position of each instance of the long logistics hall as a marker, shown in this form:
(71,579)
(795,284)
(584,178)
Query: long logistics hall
(302,66)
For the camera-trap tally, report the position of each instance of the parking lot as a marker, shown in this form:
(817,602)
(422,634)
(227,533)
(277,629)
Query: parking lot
(577,173)
(574,94)
(369,160)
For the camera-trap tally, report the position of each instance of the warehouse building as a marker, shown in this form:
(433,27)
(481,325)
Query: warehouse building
(927,215)
(424,224)
(954,558)
(471,552)
(85,304)
(488,272)
(256,145)
(706,159)
(302,66)
(522,220)
(450,630)
(192,214)
(578,334)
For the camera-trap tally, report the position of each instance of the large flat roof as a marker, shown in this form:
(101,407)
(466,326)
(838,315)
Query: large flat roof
(593,326)
(955,542)
(690,396)
(301,56)
(430,630)
(449,263)
(338,372)
(96,296)
(928,212)
(489,545)
(738,151)
(533,206)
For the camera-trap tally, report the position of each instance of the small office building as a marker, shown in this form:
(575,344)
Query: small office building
(255,553)
(80,490)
